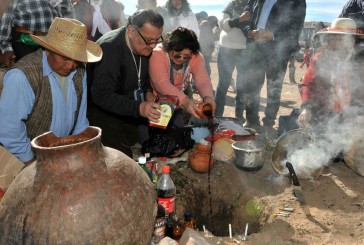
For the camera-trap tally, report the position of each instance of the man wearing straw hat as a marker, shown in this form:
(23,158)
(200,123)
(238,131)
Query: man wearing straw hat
(47,89)
(332,85)
(121,89)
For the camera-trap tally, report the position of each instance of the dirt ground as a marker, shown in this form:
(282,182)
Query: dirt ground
(335,199)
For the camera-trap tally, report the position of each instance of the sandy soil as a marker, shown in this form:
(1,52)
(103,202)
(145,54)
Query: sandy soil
(335,199)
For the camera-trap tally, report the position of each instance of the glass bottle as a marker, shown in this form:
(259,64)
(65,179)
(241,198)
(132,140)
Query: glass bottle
(160,225)
(189,220)
(142,161)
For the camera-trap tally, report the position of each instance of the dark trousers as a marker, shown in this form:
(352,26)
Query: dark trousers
(20,49)
(265,62)
(117,133)
(292,70)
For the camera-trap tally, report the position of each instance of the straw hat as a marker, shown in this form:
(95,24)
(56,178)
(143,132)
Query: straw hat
(341,26)
(68,37)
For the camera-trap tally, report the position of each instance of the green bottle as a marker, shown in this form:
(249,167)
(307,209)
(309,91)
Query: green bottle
(142,161)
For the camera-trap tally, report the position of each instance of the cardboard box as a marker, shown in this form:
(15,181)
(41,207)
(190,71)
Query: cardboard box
(10,166)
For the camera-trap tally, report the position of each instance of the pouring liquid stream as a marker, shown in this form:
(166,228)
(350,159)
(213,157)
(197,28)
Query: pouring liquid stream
(209,115)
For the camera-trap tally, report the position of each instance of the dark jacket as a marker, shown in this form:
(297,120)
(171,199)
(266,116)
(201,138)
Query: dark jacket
(114,78)
(354,9)
(285,21)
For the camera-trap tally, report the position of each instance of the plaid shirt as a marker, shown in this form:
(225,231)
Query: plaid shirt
(34,15)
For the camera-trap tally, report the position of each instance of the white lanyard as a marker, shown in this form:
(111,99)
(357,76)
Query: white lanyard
(140,62)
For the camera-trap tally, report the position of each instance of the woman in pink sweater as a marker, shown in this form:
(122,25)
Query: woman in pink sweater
(171,66)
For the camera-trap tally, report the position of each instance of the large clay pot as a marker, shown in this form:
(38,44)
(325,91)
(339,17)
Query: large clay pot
(199,158)
(354,156)
(78,192)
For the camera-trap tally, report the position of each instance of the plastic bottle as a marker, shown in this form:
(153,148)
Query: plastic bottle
(166,191)
(142,160)
(189,221)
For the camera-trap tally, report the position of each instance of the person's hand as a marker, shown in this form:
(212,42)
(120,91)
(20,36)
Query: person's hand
(150,110)
(7,59)
(304,118)
(190,106)
(264,36)
(260,35)
(245,16)
(211,101)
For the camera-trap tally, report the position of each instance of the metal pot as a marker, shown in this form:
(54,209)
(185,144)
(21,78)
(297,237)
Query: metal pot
(287,145)
(249,154)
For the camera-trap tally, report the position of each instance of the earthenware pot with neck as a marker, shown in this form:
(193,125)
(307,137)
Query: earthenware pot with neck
(201,159)
(78,192)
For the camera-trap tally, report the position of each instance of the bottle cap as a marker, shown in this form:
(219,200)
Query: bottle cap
(165,169)
(142,160)
(187,214)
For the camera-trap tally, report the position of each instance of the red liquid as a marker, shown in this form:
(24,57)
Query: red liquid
(210,118)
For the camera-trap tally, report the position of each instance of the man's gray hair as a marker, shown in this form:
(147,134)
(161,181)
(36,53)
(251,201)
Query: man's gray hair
(151,16)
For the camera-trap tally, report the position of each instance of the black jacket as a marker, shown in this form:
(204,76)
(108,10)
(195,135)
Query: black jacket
(285,21)
(354,9)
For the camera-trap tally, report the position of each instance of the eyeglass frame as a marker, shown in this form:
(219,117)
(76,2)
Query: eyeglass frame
(179,56)
(160,40)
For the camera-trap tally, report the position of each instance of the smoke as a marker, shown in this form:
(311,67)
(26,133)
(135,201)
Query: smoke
(333,133)
(337,134)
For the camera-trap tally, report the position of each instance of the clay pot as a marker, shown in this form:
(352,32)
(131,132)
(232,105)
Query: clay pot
(78,192)
(354,156)
(205,110)
(199,158)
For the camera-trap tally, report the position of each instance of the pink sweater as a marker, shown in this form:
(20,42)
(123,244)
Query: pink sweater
(159,68)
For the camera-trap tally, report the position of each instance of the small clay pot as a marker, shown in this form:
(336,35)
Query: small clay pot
(199,158)
(205,110)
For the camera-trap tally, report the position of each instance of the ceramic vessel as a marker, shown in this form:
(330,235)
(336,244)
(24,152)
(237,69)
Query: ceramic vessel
(205,110)
(354,156)
(199,158)
(78,192)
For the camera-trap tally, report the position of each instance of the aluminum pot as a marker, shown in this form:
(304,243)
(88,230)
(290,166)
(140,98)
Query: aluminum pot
(249,154)
(286,149)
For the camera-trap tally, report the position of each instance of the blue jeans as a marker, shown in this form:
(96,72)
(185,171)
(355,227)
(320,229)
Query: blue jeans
(227,60)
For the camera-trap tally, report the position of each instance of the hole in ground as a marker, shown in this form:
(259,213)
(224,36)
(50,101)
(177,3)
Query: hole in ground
(233,201)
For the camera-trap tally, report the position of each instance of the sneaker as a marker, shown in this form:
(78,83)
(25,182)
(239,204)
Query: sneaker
(241,119)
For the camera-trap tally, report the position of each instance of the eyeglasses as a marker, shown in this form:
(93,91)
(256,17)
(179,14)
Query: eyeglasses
(149,43)
(179,56)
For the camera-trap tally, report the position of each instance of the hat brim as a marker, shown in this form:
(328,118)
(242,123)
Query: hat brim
(328,31)
(93,51)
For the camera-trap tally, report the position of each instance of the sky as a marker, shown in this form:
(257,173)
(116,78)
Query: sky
(317,10)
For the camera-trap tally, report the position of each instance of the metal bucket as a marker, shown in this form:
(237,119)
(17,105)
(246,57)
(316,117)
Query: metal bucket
(249,154)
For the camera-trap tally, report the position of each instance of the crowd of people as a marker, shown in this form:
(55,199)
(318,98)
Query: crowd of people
(105,69)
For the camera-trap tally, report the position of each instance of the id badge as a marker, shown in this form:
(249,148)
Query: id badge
(139,95)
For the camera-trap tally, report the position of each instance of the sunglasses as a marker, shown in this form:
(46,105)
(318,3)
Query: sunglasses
(179,56)
(149,43)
